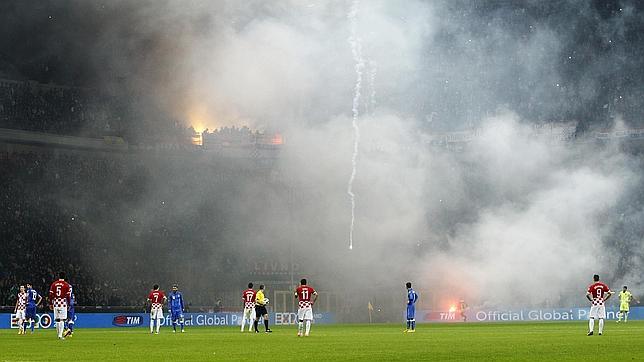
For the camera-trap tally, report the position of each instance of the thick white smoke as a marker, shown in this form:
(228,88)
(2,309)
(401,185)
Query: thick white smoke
(539,239)
(511,219)
(356,50)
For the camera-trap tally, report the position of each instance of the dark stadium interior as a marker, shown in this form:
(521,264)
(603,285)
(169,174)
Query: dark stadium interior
(101,178)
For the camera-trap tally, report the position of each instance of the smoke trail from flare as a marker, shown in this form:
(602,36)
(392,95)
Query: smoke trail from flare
(356,50)
(373,70)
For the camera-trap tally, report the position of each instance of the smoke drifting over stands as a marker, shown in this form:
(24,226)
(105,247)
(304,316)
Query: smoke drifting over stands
(499,156)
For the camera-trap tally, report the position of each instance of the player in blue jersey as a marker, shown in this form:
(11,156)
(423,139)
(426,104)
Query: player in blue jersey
(175,300)
(71,315)
(412,298)
(33,301)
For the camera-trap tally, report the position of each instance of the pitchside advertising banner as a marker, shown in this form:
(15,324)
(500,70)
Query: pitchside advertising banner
(127,320)
(522,315)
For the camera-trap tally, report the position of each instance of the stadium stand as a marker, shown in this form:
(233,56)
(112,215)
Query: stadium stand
(84,212)
(84,207)
(55,109)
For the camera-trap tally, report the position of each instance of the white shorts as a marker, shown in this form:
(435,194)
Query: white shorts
(305,314)
(20,314)
(597,311)
(249,313)
(156,313)
(60,313)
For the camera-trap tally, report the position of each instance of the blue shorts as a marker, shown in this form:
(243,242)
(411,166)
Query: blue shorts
(411,311)
(30,313)
(176,314)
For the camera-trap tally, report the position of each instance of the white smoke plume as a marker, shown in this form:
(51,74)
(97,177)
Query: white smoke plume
(510,219)
(356,51)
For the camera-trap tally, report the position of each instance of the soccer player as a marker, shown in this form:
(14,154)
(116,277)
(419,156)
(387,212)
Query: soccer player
(625,298)
(248,298)
(176,308)
(33,301)
(306,296)
(59,295)
(19,310)
(260,309)
(597,294)
(412,298)
(462,307)
(156,299)
(71,315)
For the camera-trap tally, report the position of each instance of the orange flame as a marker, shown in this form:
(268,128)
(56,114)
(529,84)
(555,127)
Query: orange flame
(201,117)
(277,139)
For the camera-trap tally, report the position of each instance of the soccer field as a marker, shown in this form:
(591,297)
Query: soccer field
(512,341)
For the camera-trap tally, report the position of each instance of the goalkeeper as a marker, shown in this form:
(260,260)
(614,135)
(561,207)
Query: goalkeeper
(625,298)
(260,309)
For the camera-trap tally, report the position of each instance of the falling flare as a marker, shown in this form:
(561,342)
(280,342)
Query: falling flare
(373,70)
(356,50)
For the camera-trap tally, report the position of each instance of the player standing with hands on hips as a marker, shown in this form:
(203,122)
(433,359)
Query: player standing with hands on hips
(157,299)
(597,294)
(412,297)
(248,298)
(306,296)
(33,300)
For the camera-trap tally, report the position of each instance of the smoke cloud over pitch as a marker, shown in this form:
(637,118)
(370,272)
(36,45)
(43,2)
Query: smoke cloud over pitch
(512,219)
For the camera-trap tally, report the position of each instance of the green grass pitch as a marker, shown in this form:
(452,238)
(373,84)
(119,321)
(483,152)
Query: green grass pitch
(385,342)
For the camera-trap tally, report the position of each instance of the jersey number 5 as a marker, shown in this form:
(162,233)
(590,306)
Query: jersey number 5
(58,292)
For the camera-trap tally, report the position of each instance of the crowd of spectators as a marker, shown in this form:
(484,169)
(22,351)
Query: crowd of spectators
(115,223)
(56,109)
(31,227)
(40,223)
(229,136)
(73,111)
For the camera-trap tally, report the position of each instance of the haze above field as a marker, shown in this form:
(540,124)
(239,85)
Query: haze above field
(510,220)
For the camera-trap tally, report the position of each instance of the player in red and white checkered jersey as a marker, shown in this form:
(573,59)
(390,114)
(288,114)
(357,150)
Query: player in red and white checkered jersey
(306,296)
(59,294)
(597,294)
(157,299)
(248,298)
(20,309)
